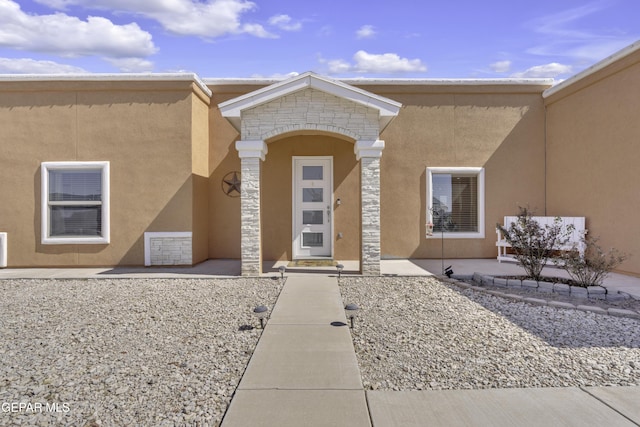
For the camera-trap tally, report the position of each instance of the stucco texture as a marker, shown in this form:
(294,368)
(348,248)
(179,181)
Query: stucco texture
(492,128)
(593,156)
(143,130)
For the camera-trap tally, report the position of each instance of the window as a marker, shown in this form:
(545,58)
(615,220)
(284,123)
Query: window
(455,202)
(75,202)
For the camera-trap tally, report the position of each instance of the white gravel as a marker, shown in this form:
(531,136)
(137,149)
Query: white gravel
(125,352)
(419,333)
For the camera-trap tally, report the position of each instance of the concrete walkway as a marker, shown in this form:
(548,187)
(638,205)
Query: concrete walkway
(304,370)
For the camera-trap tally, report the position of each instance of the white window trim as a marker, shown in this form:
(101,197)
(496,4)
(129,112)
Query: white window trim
(44,171)
(481,215)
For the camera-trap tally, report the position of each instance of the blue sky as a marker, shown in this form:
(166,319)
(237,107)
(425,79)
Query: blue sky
(339,38)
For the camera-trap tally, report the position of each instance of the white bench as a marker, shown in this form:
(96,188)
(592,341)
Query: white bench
(575,238)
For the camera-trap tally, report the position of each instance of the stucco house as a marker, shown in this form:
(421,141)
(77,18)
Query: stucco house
(159,169)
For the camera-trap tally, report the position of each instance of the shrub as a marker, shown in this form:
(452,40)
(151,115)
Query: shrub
(533,244)
(593,267)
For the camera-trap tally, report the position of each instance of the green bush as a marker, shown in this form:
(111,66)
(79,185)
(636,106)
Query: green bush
(593,267)
(533,244)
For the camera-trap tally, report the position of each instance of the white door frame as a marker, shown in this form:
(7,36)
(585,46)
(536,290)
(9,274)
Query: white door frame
(295,206)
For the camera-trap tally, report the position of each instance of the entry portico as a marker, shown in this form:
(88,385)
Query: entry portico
(313,105)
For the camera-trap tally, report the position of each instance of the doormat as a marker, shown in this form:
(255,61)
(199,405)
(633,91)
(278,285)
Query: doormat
(313,263)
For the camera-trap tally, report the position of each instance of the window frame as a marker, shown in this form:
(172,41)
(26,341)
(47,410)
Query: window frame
(479,173)
(46,238)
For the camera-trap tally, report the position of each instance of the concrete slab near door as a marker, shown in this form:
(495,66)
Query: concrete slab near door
(315,300)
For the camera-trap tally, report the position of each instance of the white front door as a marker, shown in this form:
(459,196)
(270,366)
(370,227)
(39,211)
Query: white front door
(312,207)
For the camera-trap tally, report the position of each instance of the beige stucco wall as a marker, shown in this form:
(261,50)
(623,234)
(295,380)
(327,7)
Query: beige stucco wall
(500,128)
(224,211)
(592,155)
(200,176)
(142,128)
(497,127)
(277,194)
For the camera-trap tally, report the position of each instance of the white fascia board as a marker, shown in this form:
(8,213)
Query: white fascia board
(593,69)
(449,82)
(234,107)
(362,81)
(107,77)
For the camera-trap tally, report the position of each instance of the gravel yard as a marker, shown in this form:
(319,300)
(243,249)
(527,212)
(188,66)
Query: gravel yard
(126,351)
(420,334)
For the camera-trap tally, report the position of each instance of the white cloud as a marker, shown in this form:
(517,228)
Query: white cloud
(385,63)
(276,76)
(32,66)
(257,30)
(131,65)
(284,22)
(501,66)
(371,63)
(565,35)
(339,66)
(69,36)
(366,32)
(551,70)
(206,18)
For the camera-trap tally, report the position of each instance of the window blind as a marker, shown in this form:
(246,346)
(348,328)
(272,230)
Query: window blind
(75,202)
(455,202)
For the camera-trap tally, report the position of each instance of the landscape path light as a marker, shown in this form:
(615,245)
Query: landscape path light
(339,267)
(448,272)
(261,313)
(282,269)
(351,310)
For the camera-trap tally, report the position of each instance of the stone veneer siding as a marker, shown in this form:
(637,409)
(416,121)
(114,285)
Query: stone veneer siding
(310,109)
(370,179)
(170,250)
(250,216)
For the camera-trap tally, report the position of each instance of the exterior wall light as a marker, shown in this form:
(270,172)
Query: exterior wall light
(261,312)
(339,267)
(351,310)
(282,269)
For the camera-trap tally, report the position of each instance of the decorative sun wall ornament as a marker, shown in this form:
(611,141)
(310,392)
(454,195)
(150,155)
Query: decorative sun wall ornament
(231,184)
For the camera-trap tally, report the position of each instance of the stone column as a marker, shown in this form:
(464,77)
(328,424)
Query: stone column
(369,153)
(251,153)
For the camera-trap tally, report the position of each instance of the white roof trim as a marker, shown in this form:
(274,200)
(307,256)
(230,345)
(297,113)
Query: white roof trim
(593,69)
(107,77)
(233,108)
(393,82)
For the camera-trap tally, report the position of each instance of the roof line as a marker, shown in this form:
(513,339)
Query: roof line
(593,69)
(108,77)
(389,81)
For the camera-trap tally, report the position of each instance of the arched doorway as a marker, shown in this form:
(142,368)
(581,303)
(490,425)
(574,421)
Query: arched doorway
(310,104)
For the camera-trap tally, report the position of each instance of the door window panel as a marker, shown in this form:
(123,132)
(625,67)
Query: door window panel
(311,173)
(312,239)
(312,217)
(312,195)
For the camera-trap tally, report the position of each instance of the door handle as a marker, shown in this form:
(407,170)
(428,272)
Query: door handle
(328,213)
